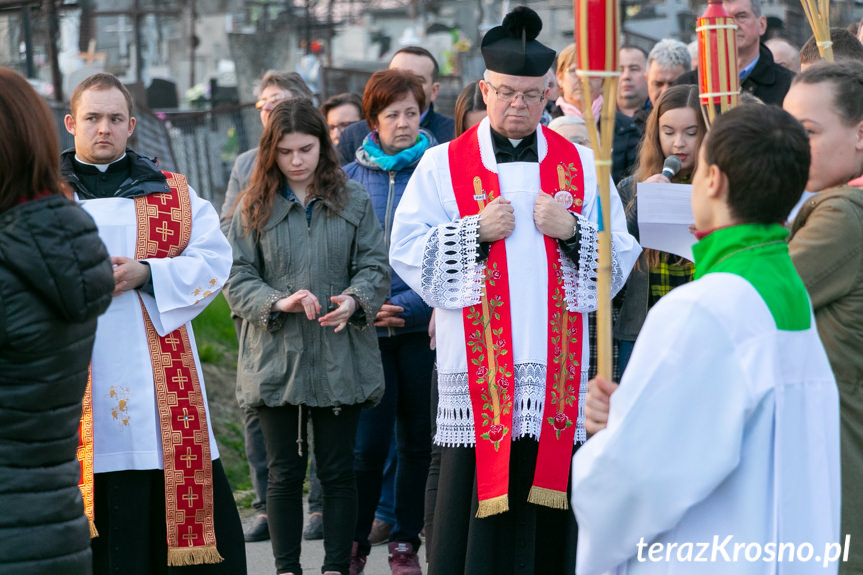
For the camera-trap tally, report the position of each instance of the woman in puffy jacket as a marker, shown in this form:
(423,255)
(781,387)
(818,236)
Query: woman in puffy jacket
(392,103)
(55,280)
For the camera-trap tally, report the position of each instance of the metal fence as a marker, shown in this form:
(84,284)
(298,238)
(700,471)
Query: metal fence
(206,143)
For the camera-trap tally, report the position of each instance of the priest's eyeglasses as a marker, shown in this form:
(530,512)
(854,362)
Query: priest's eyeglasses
(507,95)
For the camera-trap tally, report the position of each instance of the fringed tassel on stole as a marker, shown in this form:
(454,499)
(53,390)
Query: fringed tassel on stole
(93,532)
(493,506)
(185,556)
(548,497)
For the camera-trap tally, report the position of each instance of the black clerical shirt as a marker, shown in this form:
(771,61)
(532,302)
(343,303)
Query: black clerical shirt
(100,184)
(505,152)
(525,151)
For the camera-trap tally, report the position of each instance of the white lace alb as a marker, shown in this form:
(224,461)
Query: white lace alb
(583,297)
(455,415)
(451,275)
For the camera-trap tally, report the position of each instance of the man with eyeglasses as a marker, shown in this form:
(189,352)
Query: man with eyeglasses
(275,87)
(760,75)
(341,111)
(419,62)
(498,231)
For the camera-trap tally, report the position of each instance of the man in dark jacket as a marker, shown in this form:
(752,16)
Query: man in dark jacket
(420,62)
(160,496)
(759,74)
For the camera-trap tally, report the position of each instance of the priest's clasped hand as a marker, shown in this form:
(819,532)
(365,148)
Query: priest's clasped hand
(129,274)
(300,301)
(597,404)
(496,221)
(552,219)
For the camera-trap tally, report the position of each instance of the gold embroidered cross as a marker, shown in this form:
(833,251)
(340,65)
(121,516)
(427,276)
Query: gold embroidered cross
(180,379)
(186,418)
(188,457)
(189,536)
(165,231)
(172,341)
(189,498)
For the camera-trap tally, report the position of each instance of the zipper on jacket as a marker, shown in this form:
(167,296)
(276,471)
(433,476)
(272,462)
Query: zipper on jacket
(388,219)
(313,354)
(388,222)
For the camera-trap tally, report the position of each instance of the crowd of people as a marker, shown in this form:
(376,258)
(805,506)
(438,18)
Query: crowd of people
(414,299)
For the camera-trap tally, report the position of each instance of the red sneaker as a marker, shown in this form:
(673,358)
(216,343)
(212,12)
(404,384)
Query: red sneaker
(403,559)
(358,562)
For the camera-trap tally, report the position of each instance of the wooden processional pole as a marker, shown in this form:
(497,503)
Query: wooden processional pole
(818,14)
(597,31)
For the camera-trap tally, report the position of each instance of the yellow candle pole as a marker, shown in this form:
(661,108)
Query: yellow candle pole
(818,15)
(597,28)
(718,78)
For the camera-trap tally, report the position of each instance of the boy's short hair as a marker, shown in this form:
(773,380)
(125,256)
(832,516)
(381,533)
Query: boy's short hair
(764,153)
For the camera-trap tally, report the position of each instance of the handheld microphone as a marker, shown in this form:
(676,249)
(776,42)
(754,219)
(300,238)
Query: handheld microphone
(671,166)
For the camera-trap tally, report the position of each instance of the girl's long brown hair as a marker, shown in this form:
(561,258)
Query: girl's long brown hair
(28,144)
(291,116)
(470,100)
(650,156)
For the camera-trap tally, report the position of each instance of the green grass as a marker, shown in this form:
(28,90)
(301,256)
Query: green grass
(217,350)
(214,327)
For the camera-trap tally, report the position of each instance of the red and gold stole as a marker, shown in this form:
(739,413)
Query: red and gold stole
(488,335)
(164,222)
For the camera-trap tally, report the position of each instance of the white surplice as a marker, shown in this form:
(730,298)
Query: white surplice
(126,430)
(722,425)
(434,251)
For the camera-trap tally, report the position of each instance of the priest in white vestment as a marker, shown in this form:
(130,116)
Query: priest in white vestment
(154,489)
(720,451)
(497,231)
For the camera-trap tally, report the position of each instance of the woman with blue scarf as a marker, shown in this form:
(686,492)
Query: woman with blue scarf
(392,103)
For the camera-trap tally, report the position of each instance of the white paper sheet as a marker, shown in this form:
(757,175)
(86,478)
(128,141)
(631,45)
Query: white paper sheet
(664,217)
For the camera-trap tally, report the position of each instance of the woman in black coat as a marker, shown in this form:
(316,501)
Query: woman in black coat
(55,280)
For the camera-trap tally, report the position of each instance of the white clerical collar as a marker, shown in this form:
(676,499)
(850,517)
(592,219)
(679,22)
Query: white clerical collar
(101,167)
(515,143)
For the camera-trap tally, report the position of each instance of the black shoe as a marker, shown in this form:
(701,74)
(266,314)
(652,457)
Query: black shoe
(259,531)
(315,527)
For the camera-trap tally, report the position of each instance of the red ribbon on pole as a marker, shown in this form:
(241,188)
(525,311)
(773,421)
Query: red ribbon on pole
(718,78)
(597,35)
(597,29)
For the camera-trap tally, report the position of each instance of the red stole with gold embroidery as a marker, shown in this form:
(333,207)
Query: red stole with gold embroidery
(164,222)
(488,335)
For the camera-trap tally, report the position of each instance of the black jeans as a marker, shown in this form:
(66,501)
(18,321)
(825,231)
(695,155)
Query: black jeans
(334,445)
(408,363)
